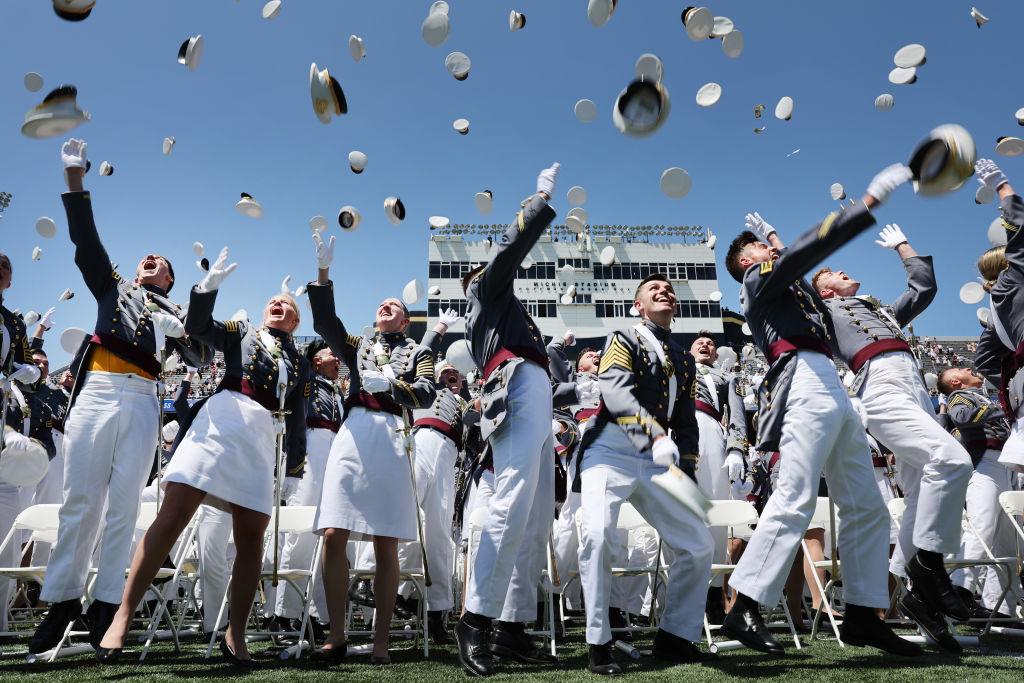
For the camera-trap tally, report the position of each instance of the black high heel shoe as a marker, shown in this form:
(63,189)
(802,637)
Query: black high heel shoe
(230,657)
(108,655)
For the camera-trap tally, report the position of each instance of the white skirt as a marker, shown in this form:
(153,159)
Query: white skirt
(229,452)
(367,485)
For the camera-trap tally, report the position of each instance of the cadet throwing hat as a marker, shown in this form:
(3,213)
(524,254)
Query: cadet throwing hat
(356,48)
(73,10)
(600,11)
(394,210)
(516,20)
(326,93)
(357,161)
(458,65)
(484,202)
(943,161)
(190,52)
(57,114)
(699,23)
(249,206)
(641,108)
(349,218)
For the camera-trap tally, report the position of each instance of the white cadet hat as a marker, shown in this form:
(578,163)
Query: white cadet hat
(435,27)
(1009,146)
(910,56)
(984,194)
(46,227)
(566,299)
(978,17)
(249,206)
(73,10)
(633,312)
(356,48)
(903,76)
(516,20)
(36,253)
(721,27)
(25,462)
(440,6)
(461,125)
(943,161)
(732,44)
(72,338)
(574,224)
(526,263)
(394,210)
(412,292)
(567,272)
(458,65)
(437,222)
(608,256)
(190,52)
(357,161)
(349,218)
(198,249)
(31,318)
(715,296)
(576,195)
(434,290)
(65,295)
(709,94)
(649,68)
(972,293)
(1019,115)
(784,109)
(984,315)
(745,329)
(600,11)
(641,108)
(997,232)
(699,22)
(168,145)
(316,224)
(57,114)
(460,355)
(884,102)
(675,182)
(712,241)
(326,93)
(33,82)
(580,213)
(585,110)
(484,201)
(836,191)
(271,9)
(106,168)
(170,430)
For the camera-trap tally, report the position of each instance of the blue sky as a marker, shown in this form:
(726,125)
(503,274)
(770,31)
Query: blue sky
(244,123)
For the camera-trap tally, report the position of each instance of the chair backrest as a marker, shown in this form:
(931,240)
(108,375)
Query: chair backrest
(476,518)
(731,513)
(822,513)
(39,518)
(630,518)
(897,506)
(147,515)
(1012,502)
(294,519)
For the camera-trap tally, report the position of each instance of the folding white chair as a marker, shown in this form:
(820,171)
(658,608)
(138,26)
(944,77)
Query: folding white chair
(823,516)
(41,522)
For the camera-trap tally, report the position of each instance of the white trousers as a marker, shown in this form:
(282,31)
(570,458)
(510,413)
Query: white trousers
(712,479)
(297,550)
(614,473)
(216,554)
(934,468)
(821,432)
(110,439)
(511,555)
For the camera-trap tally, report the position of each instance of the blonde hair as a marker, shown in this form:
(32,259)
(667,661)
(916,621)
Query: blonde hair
(991,263)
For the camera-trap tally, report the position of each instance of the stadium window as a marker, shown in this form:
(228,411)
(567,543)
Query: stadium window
(435,269)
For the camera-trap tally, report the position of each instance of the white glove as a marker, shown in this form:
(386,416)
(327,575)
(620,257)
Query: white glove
(26,374)
(733,466)
(588,391)
(741,488)
(892,236)
(47,320)
(569,337)
(887,180)
(664,452)
(759,226)
(943,399)
(447,317)
(556,428)
(288,487)
(989,174)
(72,154)
(546,180)
(324,251)
(170,325)
(374,382)
(217,273)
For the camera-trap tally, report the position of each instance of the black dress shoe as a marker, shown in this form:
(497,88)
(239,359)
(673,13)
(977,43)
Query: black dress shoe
(361,593)
(713,606)
(52,628)
(617,619)
(600,660)
(405,608)
(108,655)
(680,650)
(930,622)
(327,657)
(511,640)
(861,627)
(474,648)
(278,624)
(932,585)
(99,616)
(230,657)
(438,631)
(744,624)
(380,661)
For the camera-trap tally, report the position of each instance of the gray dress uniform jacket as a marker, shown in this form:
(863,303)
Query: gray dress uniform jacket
(500,331)
(976,422)
(729,401)
(785,314)
(323,410)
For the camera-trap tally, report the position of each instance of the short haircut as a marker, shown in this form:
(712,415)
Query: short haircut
(39,352)
(583,352)
(732,257)
(817,275)
(315,347)
(653,277)
(707,334)
(170,271)
(291,302)
(468,277)
(942,383)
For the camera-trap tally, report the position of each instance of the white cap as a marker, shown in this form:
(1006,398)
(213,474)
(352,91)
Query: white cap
(394,210)
(326,94)
(903,76)
(984,194)
(516,20)
(56,115)
(576,195)
(984,315)
(170,430)
(712,241)
(633,312)
(440,7)
(745,329)
(316,224)
(580,213)
(784,109)
(836,191)
(1009,146)
(978,17)
(458,65)
(65,295)
(709,94)
(600,11)
(675,182)
(73,10)
(434,290)
(910,56)
(568,273)
(931,380)
(168,145)
(1020,116)
(566,299)
(191,51)
(46,227)
(884,102)
(33,82)
(649,68)
(461,125)
(585,110)
(972,293)
(715,296)
(574,224)
(348,218)
(726,357)
(72,338)
(357,161)
(249,206)
(722,27)
(106,168)
(459,355)
(732,44)
(526,262)
(608,256)
(947,156)
(435,28)
(25,462)
(198,249)
(31,318)
(368,331)
(412,292)
(641,108)
(271,9)
(356,48)
(484,201)
(997,232)
(438,222)
(699,22)
(36,253)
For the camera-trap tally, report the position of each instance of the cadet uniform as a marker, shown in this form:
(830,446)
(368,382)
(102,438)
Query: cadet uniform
(806,415)
(934,468)
(647,388)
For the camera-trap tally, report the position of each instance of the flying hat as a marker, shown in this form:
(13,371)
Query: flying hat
(984,195)
(784,109)
(745,329)
(1009,146)
(600,11)
(65,295)
(978,17)
(568,273)
(394,210)
(46,227)
(33,82)
(73,10)
(516,20)
(36,253)
(943,161)
(984,315)
(641,108)
(910,56)
(732,44)
(458,65)
(438,222)
(566,299)
(836,191)
(712,241)
(526,263)
(997,232)
(271,9)
(440,6)
(203,265)
(699,22)
(580,213)
(357,161)
(972,293)
(31,318)
(170,430)
(709,94)
(576,195)
(434,290)
(369,331)
(608,256)
(721,27)
(412,292)
(1020,116)
(715,296)
(675,182)
(903,76)
(585,110)
(57,114)
(317,223)
(198,249)
(726,357)
(326,93)
(649,68)
(484,201)
(356,48)
(931,380)
(191,51)
(633,312)
(460,355)
(461,125)
(168,145)
(249,206)
(72,338)
(884,102)
(348,218)
(574,224)
(435,28)
(24,461)
(106,169)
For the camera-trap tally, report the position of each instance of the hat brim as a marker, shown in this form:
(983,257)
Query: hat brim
(49,124)
(73,14)
(250,208)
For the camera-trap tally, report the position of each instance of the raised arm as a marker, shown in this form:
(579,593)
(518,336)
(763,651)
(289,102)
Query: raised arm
(921,285)
(90,255)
